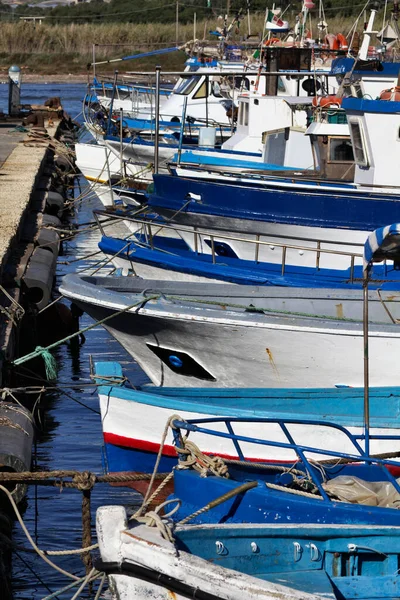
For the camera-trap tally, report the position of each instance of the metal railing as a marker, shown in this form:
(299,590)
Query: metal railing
(299,450)
(150,231)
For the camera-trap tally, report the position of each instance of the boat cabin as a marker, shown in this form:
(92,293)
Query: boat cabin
(375,133)
(332,149)
(274,126)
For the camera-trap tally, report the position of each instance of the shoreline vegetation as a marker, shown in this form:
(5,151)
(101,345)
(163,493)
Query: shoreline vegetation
(64,51)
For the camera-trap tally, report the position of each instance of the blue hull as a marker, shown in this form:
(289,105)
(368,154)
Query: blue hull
(316,207)
(118,458)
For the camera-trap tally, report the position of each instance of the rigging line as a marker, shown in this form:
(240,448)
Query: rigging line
(61,391)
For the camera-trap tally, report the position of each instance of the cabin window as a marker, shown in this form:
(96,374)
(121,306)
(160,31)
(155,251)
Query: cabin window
(275,147)
(358,141)
(201,92)
(242,84)
(281,85)
(187,86)
(340,150)
(243,114)
(315,152)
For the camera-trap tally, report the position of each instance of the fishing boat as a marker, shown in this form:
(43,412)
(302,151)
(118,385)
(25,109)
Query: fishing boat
(133,419)
(181,340)
(156,249)
(197,341)
(224,562)
(292,208)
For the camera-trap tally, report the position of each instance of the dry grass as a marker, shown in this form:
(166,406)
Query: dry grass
(68,48)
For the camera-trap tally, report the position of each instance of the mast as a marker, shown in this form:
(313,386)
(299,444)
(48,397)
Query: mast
(362,55)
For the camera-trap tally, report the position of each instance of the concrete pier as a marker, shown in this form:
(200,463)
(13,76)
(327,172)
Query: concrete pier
(20,169)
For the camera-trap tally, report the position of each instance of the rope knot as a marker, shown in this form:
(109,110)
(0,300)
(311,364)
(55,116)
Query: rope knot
(84,481)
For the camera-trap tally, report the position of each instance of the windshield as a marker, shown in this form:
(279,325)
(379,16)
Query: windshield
(187,85)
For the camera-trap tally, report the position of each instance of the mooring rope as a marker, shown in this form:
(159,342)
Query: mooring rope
(44,352)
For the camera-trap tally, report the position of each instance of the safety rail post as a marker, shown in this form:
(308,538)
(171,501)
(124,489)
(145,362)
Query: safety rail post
(150,235)
(283,259)
(257,250)
(352,268)
(318,254)
(212,248)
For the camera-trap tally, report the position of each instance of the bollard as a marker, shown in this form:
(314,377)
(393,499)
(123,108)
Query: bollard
(14,90)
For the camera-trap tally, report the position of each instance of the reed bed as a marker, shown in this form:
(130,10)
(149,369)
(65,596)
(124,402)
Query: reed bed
(49,46)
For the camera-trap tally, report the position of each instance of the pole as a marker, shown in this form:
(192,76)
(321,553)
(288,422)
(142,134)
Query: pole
(112,103)
(248,21)
(194,25)
(108,154)
(182,129)
(121,135)
(366,359)
(177,23)
(94,60)
(207,91)
(157,124)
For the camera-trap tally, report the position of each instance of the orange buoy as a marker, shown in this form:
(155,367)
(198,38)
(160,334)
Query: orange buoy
(391,94)
(326,101)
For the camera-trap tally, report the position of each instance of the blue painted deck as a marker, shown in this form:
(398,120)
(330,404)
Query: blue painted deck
(175,255)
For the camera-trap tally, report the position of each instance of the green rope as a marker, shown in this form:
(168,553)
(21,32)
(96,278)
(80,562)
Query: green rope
(45,352)
(50,363)
(254,309)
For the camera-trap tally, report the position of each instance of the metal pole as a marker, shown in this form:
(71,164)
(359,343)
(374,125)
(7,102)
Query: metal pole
(177,22)
(121,135)
(194,25)
(94,60)
(108,154)
(366,359)
(157,124)
(248,21)
(182,129)
(112,102)
(207,91)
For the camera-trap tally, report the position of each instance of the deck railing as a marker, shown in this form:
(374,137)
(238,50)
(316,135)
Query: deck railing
(151,229)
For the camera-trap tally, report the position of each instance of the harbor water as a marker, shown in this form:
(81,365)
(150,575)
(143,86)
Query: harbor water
(69,434)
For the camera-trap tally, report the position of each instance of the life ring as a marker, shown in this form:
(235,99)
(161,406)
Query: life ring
(272,41)
(331,41)
(392,94)
(342,40)
(326,101)
(336,42)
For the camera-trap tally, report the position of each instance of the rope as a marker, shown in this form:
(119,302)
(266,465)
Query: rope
(50,363)
(81,480)
(244,487)
(261,310)
(281,488)
(68,587)
(147,498)
(200,462)
(45,352)
(154,519)
(30,540)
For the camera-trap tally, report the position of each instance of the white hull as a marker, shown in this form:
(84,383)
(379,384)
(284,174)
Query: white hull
(144,547)
(131,424)
(231,349)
